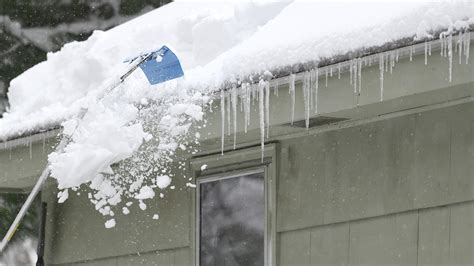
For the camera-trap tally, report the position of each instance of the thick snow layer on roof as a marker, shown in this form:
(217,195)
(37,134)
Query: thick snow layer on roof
(216,42)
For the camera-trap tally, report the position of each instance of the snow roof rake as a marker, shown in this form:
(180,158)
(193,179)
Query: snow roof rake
(159,66)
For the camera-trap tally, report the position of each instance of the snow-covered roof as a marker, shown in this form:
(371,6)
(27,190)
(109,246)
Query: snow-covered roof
(219,41)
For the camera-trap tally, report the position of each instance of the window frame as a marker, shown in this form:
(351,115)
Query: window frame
(219,177)
(233,164)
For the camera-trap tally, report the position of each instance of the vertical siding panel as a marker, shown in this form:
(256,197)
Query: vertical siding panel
(182,257)
(388,240)
(398,190)
(433,247)
(462,154)
(315,160)
(294,248)
(330,245)
(289,193)
(462,234)
(432,140)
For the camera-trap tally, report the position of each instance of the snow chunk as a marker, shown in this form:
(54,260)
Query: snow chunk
(156,217)
(110,223)
(203,167)
(125,210)
(163,181)
(146,192)
(63,196)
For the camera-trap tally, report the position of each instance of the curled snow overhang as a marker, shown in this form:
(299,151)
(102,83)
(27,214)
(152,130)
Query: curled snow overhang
(402,48)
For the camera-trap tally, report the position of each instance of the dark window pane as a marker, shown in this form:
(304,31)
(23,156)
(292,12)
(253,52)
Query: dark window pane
(232,221)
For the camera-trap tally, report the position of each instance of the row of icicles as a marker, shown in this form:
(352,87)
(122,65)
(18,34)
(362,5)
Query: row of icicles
(249,93)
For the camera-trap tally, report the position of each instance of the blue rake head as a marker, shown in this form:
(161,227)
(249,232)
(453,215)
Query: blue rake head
(161,66)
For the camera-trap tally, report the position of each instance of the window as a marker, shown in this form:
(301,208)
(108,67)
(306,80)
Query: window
(231,220)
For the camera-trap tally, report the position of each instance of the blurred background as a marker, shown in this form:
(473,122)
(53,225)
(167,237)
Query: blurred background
(29,29)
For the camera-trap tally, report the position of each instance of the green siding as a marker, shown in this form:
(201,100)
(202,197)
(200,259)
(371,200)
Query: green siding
(378,168)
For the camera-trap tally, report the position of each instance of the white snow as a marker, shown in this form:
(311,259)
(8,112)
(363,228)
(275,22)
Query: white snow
(146,192)
(216,42)
(156,217)
(110,223)
(163,181)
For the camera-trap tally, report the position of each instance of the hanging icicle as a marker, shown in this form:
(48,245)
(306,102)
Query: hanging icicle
(228,113)
(441,42)
(460,45)
(350,71)
(381,70)
(261,98)
(306,97)
(222,121)
(411,53)
(359,78)
(467,45)
(267,106)
(316,90)
(234,112)
(292,94)
(450,56)
(354,74)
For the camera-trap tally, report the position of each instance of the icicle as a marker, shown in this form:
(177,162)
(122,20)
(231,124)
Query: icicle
(267,106)
(381,70)
(445,50)
(359,74)
(330,72)
(467,45)
(429,48)
(426,53)
(354,74)
(339,71)
(316,90)
(411,53)
(234,110)
(292,93)
(460,43)
(397,55)
(228,113)
(222,120)
(450,56)
(350,72)
(326,76)
(306,97)
(247,106)
(275,89)
(261,109)
(441,42)
(311,89)
(392,62)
